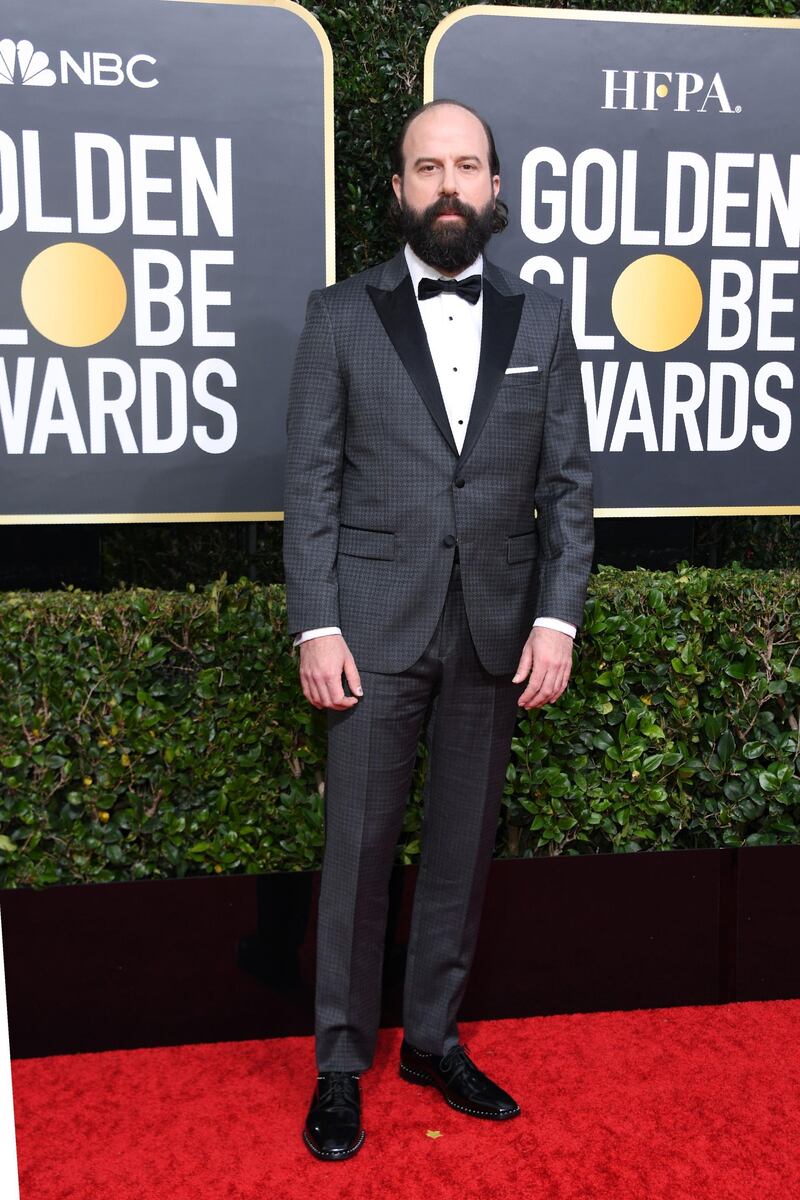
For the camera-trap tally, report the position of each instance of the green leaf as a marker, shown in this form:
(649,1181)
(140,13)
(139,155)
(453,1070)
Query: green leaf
(725,747)
(736,670)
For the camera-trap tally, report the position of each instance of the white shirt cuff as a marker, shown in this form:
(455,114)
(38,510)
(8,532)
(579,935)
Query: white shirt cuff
(546,622)
(554,623)
(308,634)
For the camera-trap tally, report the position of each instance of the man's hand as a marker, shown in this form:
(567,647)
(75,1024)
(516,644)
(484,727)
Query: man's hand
(547,658)
(323,661)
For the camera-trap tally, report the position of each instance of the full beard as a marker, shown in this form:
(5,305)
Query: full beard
(447,245)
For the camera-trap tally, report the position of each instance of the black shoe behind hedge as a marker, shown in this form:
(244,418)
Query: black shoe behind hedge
(461,1083)
(333,1125)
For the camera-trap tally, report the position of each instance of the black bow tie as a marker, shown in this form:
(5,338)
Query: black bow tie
(468,289)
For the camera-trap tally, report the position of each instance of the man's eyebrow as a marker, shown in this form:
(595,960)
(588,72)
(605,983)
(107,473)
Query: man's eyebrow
(425,158)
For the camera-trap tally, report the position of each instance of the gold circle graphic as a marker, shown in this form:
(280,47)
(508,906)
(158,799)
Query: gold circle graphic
(74,294)
(662,90)
(657,302)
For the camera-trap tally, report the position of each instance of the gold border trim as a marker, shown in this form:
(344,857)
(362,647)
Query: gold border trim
(134,518)
(577,14)
(327,96)
(733,510)
(744,510)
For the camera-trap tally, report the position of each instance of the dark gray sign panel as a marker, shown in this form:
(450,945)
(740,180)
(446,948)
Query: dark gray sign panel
(651,170)
(166,205)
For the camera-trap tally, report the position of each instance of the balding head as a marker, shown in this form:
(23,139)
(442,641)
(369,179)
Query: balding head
(432,109)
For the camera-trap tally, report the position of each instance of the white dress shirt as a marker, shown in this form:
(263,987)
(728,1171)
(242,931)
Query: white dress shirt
(453,329)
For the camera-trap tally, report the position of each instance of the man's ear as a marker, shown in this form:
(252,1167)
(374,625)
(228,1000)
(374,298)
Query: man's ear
(397,188)
(495,185)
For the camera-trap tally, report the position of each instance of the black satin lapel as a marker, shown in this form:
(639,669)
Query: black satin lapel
(501,316)
(399,314)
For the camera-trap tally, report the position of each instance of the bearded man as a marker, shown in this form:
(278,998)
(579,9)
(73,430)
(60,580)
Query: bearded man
(438,542)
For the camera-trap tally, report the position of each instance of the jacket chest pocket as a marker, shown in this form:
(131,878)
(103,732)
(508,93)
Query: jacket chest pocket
(528,383)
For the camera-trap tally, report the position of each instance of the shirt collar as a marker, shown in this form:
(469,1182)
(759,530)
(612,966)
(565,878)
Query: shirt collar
(420,270)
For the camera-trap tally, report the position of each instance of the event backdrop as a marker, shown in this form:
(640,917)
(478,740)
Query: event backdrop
(648,164)
(166,205)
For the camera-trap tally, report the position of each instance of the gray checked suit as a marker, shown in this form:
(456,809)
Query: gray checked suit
(434,565)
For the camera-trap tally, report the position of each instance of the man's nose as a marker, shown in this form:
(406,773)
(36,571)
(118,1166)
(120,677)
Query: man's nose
(449,185)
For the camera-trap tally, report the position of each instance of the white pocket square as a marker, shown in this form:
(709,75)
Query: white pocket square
(519,370)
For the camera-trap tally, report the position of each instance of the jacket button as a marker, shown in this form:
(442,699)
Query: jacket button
(450,541)
(460,483)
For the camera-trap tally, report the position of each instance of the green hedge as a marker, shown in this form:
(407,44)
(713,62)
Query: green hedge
(151,734)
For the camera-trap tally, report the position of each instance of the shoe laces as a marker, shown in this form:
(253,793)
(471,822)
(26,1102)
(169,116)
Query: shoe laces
(458,1064)
(336,1089)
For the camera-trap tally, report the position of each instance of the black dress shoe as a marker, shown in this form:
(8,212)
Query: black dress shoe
(458,1079)
(333,1125)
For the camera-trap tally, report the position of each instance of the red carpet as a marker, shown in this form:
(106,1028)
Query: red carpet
(682,1103)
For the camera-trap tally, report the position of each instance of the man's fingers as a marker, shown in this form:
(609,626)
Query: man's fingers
(334,687)
(536,688)
(525,663)
(329,694)
(544,690)
(311,694)
(308,685)
(352,676)
(538,670)
(333,696)
(549,689)
(560,677)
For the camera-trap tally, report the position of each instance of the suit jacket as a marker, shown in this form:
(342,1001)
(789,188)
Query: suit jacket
(377,496)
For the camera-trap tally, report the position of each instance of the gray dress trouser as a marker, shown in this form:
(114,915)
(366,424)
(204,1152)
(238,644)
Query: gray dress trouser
(372,750)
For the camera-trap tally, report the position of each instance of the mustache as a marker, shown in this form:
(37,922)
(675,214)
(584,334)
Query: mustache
(447,205)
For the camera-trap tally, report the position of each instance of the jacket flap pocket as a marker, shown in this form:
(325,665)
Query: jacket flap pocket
(366,543)
(523,546)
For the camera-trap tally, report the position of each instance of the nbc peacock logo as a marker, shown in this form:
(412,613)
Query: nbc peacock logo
(21,63)
(33,66)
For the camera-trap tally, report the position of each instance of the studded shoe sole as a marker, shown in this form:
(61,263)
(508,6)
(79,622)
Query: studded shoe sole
(418,1077)
(335,1156)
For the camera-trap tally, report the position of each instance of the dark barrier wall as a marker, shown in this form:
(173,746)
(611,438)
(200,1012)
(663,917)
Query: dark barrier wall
(649,163)
(166,178)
